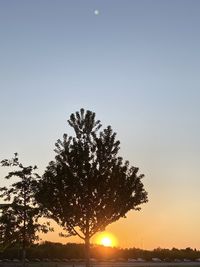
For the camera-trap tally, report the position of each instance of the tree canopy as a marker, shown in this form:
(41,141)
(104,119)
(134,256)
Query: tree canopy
(20,213)
(88,186)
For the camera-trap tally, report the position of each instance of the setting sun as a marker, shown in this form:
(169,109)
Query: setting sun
(106,239)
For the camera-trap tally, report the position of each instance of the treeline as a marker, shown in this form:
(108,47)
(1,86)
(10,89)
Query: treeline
(163,254)
(51,251)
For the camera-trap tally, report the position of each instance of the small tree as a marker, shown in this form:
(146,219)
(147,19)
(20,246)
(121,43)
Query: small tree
(19,217)
(88,186)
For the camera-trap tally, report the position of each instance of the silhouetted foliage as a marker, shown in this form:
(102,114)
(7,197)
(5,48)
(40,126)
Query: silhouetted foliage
(71,251)
(88,186)
(20,212)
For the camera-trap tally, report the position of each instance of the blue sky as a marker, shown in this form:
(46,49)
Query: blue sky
(136,65)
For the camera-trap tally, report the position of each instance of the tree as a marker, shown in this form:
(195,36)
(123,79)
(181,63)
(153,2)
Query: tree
(88,186)
(20,212)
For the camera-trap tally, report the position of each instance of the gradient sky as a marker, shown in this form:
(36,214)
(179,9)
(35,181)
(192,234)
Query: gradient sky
(137,66)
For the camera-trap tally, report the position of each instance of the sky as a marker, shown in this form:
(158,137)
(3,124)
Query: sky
(136,65)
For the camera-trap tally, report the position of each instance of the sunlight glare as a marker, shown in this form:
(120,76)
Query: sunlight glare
(106,239)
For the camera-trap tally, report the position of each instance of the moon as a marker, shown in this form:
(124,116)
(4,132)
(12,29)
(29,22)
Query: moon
(96,12)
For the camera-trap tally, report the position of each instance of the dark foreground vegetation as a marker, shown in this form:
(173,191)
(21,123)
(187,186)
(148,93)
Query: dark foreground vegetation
(70,251)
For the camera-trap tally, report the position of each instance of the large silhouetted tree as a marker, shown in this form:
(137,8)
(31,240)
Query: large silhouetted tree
(20,213)
(88,186)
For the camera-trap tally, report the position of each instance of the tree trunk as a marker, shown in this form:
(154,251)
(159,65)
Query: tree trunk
(87,252)
(23,257)
(24,227)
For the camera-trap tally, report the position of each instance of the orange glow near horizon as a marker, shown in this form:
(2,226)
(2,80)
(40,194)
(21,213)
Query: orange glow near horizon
(106,239)
(162,230)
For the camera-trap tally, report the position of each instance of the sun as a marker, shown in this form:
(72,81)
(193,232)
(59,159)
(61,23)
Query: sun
(106,239)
